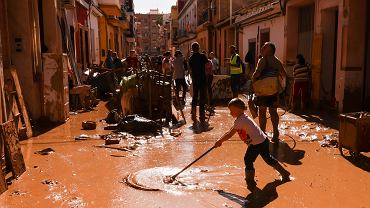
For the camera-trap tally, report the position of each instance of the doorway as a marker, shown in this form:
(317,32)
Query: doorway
(264,37)
(329,56)
(305,31)
(366,94)
(252,53)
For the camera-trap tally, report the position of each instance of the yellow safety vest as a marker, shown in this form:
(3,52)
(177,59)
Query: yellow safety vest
(233,69)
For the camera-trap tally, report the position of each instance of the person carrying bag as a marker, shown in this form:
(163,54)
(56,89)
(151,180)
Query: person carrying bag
(268,82)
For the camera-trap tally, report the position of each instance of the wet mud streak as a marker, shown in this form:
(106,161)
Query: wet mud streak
(193,179)
(131,181)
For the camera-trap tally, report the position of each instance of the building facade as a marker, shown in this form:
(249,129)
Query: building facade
(174,26)
(260,22)
(148,30)
(338,31)
(112,26)
(187,32)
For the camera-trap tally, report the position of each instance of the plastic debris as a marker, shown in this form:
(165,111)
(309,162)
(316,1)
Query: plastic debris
(46,151)
(329,141)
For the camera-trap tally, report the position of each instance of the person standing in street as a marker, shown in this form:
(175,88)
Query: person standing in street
(301,83)
(209,74)
(236,69)
(267,64)
(167,63)
(215,63)
(179,68)
(133,63)
(197,64)
(108,63)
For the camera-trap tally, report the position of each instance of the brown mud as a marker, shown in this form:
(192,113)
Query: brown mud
(78,174)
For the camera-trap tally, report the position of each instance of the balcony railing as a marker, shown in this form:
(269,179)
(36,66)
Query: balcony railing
(203,17)
(184,33)
(129,6)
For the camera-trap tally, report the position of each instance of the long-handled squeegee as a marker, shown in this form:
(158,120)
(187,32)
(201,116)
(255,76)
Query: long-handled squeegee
(170,179)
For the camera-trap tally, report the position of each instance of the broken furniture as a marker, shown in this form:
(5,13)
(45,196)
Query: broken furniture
(147,93)
(221,87)
(83,96)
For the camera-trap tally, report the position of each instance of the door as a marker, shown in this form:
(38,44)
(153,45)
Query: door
(265,36)
(252,53)
(366,96)
(329,25)
(305,31)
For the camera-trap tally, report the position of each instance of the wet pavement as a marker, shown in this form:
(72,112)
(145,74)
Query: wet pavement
(87,173)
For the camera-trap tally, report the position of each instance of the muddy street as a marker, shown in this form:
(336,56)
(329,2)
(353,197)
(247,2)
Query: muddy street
(79,174)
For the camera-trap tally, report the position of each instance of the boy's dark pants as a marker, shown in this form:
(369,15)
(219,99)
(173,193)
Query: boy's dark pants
(251,155)
(260,149)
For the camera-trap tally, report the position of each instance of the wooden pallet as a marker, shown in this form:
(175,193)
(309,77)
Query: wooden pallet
(9,134)
(21,106)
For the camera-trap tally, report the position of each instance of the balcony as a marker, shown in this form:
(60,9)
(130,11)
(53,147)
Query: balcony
(118,22)
(129,6)
(203,17)
(184,33)
(109,2)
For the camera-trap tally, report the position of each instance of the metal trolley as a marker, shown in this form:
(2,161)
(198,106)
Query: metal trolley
(354,132)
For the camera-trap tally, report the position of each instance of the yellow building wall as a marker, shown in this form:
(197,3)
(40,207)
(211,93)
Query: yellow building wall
(106,31)
(111,10)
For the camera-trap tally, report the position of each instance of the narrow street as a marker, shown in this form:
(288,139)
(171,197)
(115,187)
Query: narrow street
(78,174)
(94,94)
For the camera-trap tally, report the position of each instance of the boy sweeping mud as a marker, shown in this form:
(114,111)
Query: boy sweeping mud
(255,138)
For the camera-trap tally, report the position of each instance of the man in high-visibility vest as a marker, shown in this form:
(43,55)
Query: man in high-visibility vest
(236,69)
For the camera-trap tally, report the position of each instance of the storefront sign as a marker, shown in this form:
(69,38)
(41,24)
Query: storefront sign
(259,10)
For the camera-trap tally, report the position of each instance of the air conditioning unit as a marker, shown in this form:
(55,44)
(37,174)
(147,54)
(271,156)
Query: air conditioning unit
(68,4)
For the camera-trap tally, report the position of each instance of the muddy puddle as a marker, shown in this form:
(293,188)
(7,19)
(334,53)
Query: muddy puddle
(193,179)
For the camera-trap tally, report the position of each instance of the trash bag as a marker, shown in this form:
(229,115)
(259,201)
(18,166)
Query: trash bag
(113,117)
(137,124)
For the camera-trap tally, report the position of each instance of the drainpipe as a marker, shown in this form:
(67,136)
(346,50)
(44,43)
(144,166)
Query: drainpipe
(366,67)
(92,53)
(231,12)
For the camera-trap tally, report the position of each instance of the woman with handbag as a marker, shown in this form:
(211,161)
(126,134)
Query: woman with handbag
(267,85)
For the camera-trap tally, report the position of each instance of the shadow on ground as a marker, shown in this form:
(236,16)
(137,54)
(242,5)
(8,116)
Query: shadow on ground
(285,154)
(258,198)
(326,119)
(361,161)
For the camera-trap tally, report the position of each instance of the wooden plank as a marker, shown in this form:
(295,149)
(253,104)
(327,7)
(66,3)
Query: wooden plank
(12,105)
(9,135)
(3,186)
(23,108)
